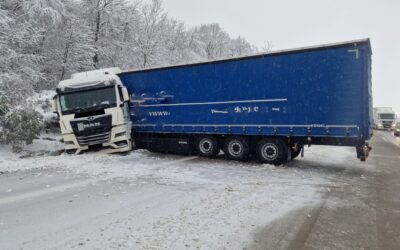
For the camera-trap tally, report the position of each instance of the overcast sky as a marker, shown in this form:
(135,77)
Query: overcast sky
(295,23)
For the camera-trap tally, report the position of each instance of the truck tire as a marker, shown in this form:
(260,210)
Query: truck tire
(272,151)
(207,146)
(236,148)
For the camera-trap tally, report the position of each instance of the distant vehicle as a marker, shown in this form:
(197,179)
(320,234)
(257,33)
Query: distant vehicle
(384,118)
(266,106)
(397,129)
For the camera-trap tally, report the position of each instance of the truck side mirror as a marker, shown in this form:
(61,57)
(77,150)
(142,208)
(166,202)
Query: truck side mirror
(54,105)
(125,94)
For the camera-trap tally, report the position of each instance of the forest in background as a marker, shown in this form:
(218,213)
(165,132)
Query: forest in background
(44,41)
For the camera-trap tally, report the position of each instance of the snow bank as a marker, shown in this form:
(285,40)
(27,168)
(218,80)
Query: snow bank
(45,145)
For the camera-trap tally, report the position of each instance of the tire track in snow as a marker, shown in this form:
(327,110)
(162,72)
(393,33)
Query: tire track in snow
(189,158)
(389,139)
(43,192)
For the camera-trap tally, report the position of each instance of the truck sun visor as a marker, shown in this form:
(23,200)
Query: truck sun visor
(85,86)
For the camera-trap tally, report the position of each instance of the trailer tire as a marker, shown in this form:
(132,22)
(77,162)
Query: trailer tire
(236,148)
(207,146)
(272,151)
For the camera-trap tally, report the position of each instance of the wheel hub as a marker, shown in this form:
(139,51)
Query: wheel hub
(205,146)
(235,148)
(270,151)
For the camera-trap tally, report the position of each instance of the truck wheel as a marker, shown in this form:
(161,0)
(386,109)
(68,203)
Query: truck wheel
(272,151)
(207,146)
(236,148)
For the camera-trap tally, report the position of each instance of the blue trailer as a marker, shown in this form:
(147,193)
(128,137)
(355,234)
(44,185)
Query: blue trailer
(268,105)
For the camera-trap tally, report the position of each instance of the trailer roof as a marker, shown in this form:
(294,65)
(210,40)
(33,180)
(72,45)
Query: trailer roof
(272,53)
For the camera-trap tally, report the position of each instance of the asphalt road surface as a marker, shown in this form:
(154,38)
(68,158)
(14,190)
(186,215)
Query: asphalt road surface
(368,214)
(311,203)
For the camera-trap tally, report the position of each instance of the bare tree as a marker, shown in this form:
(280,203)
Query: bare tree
(102,17)
(268,45)
(214,40)
(77,49)
(240,47)
(149,31)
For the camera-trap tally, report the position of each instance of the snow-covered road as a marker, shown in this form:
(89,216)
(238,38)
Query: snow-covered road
(153,201)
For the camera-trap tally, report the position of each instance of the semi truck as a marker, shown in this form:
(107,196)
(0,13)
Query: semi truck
(384,118)
(93,109)
(266,106)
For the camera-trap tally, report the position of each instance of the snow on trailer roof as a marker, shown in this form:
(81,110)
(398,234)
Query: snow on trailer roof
(276,52)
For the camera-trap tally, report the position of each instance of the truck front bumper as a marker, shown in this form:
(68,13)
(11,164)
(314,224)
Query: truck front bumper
(119,141)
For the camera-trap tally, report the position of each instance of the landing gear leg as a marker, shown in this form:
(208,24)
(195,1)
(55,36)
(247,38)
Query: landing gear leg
(363,151)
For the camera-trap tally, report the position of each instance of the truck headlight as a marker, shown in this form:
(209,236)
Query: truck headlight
(380,125)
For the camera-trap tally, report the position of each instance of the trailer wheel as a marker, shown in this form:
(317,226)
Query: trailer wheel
(236,148)
(207,146)
(272,151)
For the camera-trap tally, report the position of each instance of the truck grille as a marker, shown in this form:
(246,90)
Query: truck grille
(94,139)
(387,124)
(92,130)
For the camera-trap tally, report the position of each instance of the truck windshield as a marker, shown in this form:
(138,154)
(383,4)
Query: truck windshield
(386,116)
(88,100)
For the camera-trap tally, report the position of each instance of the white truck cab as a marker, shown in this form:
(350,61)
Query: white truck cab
(93,108)
(384,118)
